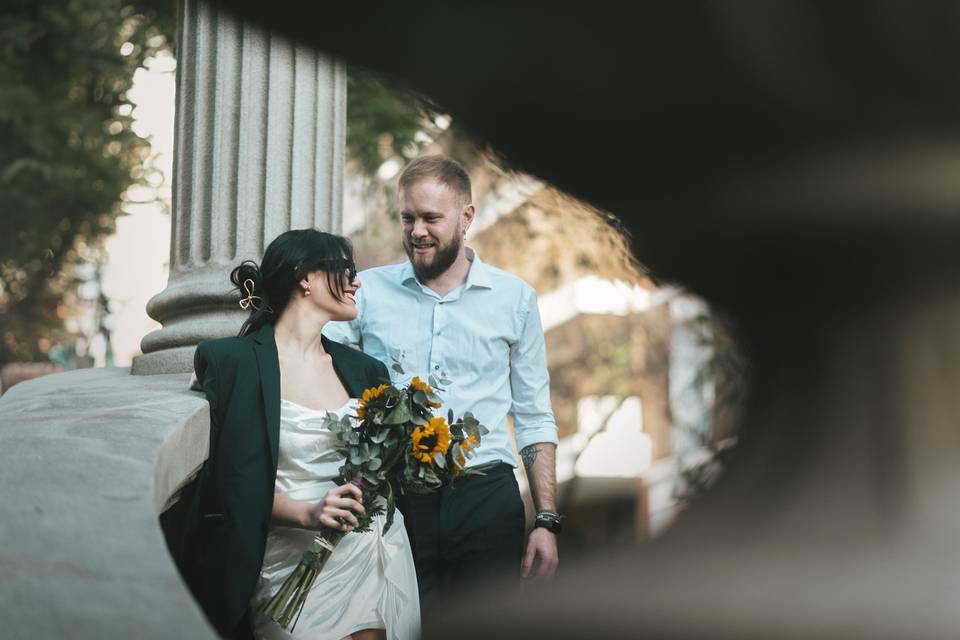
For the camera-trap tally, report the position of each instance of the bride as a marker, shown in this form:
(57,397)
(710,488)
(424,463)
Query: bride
(242,525)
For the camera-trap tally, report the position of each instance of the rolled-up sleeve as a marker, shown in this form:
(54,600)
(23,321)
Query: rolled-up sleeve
(533,419)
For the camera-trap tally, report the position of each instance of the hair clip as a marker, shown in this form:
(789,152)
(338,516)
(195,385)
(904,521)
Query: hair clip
(251,300)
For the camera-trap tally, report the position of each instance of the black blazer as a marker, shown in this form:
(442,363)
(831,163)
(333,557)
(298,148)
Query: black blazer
(217,530)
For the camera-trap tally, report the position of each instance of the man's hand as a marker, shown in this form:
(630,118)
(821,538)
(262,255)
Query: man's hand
(540,560)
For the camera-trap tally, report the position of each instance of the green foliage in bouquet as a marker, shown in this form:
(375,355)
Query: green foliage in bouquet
(394,442)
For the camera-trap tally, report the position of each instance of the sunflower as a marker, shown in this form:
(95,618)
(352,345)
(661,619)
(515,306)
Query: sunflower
(461,462)
(469,442)
(419,385)
(368,395)
(430,439)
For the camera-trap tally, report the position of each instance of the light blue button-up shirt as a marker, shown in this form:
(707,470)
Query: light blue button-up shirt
(485,337)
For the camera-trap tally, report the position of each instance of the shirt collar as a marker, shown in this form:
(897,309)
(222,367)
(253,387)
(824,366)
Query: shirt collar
(478,276)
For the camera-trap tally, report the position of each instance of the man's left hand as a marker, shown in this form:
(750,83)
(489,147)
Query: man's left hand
(540,560)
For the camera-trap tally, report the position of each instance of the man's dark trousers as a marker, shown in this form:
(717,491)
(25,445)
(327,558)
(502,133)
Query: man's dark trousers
(466,534)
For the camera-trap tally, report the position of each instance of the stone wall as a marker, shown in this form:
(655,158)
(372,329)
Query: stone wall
(88,458)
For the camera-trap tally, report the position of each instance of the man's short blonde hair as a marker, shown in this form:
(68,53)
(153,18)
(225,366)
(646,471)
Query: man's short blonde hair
(446,171)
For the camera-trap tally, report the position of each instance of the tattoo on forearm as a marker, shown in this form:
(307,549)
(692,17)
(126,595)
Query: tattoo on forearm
(529,456)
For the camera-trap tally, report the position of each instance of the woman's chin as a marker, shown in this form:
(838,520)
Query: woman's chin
(344,315)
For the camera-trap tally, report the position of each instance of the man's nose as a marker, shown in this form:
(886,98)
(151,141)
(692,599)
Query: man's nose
(419,228)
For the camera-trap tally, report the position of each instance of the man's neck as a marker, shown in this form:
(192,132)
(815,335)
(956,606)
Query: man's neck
(453,277)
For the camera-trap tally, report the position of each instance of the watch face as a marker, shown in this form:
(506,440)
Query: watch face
(549,524)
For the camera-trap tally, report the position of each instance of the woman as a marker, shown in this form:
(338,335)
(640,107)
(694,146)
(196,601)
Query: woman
(241,527)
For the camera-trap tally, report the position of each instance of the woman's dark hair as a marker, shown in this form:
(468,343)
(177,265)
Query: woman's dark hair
(292,255)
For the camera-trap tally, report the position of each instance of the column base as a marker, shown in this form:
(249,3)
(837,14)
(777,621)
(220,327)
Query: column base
(176,360)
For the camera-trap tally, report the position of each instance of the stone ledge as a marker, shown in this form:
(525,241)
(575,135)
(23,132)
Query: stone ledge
(87,460)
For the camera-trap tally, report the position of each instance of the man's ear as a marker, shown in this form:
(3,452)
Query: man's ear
(468,213)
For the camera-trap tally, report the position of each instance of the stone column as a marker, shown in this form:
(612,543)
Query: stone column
(260,134)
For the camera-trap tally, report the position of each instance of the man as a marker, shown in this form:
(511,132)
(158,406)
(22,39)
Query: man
(447,314)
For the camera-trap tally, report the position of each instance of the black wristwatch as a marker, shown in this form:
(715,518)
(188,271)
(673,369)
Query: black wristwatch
(549,521)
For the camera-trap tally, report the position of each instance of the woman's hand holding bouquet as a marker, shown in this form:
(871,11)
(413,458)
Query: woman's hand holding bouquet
(394,443)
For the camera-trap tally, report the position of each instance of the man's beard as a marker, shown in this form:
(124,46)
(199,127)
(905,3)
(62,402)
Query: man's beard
(444,257)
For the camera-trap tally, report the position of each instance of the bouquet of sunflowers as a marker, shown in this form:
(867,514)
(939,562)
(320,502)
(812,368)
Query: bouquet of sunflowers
(394,441)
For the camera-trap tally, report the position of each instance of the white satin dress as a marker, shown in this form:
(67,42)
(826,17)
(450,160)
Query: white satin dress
(368,582)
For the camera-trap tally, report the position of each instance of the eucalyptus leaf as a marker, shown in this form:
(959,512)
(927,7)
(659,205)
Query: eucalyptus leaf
(420,397)
(440,460)
(373,464)
(379,436)
(399,414)
(434,398)
(418,419)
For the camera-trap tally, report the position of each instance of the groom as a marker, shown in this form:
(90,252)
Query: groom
(447,314)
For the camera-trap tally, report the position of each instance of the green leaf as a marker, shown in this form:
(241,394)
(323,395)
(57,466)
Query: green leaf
(379,436)
(432,397)
(373,464)
(440,460)
(399,414)
(420,398)
(330,423)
